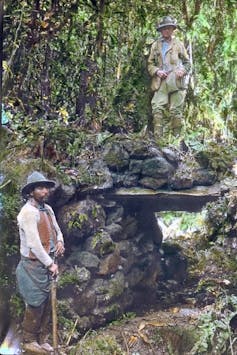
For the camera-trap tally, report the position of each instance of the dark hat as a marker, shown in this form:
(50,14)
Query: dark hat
(36,179)
(167,21)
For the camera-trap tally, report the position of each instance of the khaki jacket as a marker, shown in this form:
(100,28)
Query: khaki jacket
(176,57)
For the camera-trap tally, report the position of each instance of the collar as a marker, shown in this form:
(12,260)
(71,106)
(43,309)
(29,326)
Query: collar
(163,40)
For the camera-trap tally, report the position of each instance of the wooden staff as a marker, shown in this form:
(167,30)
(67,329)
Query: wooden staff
(54,314)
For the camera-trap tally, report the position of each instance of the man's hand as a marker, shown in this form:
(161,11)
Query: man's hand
(180,73)
(161,74)
(59,249)
(53,269)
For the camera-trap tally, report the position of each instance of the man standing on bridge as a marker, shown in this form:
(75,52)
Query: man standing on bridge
(168,64)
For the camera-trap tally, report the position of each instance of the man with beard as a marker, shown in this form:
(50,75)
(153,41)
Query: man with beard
(40,241)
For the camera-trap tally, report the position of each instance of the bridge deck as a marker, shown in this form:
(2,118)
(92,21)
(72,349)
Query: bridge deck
(192,200)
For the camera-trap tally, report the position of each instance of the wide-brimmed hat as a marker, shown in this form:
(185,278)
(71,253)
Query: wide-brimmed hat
(36,179)
(167,21)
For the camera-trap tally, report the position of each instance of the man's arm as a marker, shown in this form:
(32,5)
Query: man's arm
(152,60)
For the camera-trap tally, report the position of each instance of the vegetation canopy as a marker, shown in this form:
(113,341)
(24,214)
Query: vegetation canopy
(83,64)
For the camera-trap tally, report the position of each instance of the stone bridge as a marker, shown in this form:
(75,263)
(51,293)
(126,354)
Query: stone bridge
(114,245)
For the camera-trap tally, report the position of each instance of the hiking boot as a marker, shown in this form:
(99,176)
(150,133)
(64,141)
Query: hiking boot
(47,347)
(33,347)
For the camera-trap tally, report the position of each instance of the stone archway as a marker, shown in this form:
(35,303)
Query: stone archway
(113,242)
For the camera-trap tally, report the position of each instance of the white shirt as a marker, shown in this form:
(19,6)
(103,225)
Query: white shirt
(28,219)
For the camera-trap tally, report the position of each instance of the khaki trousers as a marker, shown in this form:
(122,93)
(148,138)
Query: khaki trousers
(170,122)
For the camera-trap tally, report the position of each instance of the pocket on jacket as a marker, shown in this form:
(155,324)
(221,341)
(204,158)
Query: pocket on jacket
(155,83)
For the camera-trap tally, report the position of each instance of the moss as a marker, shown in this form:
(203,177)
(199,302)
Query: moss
(217,156)
(224,263)
(116,290)
(216,217)
(124,319)
(114,310)
(89,176)
(65,323)
(66,315)
(222,259)
(95,211)
(4,138)
(17,306)
(104,246)
(116,286)
(97,345)
(96,239)
(68,278)
(78,220)
(177,340)
(107,248)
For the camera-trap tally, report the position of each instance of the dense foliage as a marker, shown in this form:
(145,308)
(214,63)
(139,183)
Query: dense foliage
(80,66)
(84,62)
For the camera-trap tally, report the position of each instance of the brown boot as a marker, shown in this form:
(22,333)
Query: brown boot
(31,324)
(45,328)
(33,348)
(47,347)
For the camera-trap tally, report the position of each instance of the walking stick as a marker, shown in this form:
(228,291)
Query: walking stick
(54,314)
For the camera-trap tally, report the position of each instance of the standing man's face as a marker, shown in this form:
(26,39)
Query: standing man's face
(167,32)
(40,193)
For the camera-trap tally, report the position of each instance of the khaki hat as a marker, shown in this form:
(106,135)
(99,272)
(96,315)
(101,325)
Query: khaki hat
(167,21)
(36,179)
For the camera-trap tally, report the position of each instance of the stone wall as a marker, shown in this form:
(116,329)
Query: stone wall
(112,259)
